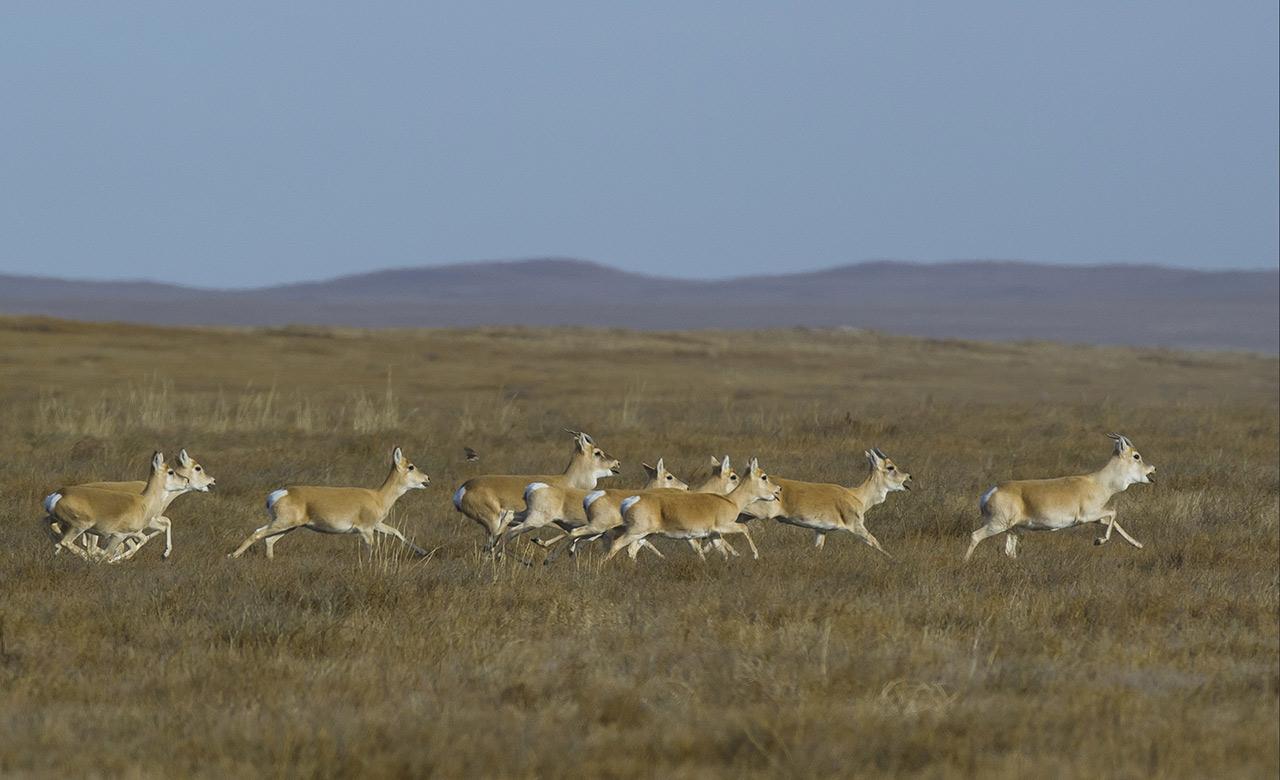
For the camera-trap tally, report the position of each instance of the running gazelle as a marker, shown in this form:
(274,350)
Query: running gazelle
(565,507)
(198,480)
(824,508)
(1064,502)
(603,509)
(340,510)
(112,514)
(493,500)
(693,516)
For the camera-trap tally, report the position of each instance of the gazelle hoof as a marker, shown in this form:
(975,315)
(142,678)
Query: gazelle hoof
(1099,540)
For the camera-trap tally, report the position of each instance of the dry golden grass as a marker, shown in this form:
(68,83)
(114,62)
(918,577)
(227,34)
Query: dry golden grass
(1072,660)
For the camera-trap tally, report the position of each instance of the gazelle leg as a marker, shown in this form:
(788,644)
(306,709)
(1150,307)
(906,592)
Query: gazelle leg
(1011,540)
(273,528)
(139,542)
(755,554)
(166,525)
(68,539)
(863,534)
(726,549)
(985,532)
(548,543)
(636,547)
(1126,535)
(393,531)
(623,542)
(819,539)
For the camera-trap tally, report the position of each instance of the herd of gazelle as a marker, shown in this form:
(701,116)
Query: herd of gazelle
(110,521)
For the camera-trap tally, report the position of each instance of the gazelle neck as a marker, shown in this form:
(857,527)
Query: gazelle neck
(154,492)
(1111,477)
(392,488)
(741,497)
(581,474)
(873,491)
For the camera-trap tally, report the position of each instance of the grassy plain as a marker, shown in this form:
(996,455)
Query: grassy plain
(1073,660)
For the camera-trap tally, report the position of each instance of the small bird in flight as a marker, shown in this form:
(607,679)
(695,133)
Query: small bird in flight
(472,455)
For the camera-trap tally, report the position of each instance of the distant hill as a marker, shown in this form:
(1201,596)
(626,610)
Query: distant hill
(1141,305)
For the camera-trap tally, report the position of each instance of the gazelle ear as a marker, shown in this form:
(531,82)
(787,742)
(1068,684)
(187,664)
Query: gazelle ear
(157,460)
(661,467)
(725,468)
(879,453)
(397,457)
(755,466)
(651,470)
(184,458)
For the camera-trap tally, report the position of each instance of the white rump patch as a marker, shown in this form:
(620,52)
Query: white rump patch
(530,488)
(457,497)
(50,501)
(590,498)
(273,497)
(982,503)
(629,502)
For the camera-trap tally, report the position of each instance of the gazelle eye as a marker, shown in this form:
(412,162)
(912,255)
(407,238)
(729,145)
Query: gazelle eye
(1136,456)
(171,472)
(411,467)
(198,468)
(890,468)
(668,477)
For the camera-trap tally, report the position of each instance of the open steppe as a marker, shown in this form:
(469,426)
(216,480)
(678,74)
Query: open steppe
(1073,660)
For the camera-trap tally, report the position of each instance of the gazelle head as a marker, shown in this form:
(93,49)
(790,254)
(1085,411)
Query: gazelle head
(173,481)
(197,478)
(723,478)
(758,484)
(659,477)
(886,472)
(602,464)
(409,475)
(1128,461)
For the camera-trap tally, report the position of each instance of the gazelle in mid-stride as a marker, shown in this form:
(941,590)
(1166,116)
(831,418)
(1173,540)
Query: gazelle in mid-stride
(824,508)
(493,500)
(603,508)
(198,480)
(340,510)
(112,514)
(566,507)
(679,515)
(1065,502)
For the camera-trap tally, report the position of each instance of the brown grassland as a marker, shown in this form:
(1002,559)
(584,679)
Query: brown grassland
(1072,660)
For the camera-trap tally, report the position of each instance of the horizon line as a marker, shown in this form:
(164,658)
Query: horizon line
(606,266)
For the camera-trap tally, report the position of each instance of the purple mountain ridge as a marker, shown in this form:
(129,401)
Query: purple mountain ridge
(987,300)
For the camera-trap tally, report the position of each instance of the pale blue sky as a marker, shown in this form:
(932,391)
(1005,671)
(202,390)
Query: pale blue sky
(237,144)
